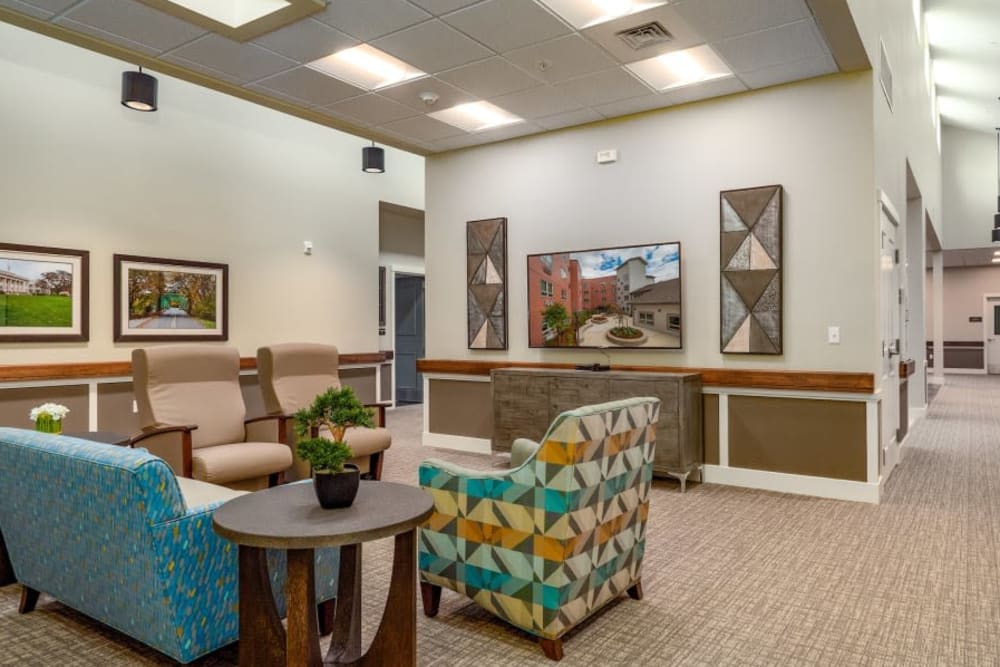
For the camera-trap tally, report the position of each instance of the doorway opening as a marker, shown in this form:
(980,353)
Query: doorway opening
(409,327)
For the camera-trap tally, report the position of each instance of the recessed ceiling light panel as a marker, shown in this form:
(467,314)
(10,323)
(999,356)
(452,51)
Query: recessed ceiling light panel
(586,13)
(476,116)
(366,67)
(233,13)
(680,68)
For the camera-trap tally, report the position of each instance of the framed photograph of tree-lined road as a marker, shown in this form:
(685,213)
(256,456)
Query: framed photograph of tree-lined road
(44,294)
(170,300)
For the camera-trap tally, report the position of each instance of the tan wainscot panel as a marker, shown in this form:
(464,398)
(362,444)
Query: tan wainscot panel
(16,403)
(114,408)
(461,408)
(386,371)
(710,427)
(362,380)
(798,436)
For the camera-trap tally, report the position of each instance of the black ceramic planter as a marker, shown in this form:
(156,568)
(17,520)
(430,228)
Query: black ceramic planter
(337,489)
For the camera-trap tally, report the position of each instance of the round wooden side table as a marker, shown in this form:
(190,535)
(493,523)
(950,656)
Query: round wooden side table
(289,517)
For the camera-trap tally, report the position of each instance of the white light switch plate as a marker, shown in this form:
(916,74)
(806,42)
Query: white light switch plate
(135,408)
(833,335)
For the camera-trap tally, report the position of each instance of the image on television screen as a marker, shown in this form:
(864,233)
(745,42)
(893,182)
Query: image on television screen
(627,297)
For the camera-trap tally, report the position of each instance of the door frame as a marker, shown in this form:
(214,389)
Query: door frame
(890,453)
(987,326)
(391,271)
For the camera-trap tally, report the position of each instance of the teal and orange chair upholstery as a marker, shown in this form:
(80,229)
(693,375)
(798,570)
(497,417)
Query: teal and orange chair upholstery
(113,533)
(550,541)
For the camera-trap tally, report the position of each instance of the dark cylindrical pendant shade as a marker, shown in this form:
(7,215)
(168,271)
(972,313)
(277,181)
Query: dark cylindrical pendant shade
(139,91)
(373,159)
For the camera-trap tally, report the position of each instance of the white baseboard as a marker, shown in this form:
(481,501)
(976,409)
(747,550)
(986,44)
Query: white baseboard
(804,485)
(966,371)
(935,379)
(461,443)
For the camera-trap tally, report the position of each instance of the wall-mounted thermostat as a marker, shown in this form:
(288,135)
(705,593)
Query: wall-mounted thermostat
(607,156)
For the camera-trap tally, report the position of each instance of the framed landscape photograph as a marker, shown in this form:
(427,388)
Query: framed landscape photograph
(170,300)
(44,294)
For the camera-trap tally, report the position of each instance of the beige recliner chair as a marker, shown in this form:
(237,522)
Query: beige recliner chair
(192,415)
(293,374)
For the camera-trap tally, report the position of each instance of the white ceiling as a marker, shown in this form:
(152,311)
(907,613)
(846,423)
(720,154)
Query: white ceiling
(965,47)
(513,53)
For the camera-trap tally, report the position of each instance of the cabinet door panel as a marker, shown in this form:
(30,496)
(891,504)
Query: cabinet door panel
(520,409)
(668,454)
(570,393)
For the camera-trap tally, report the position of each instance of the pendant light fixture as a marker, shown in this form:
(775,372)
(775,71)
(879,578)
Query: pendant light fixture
(139,91)
(373,159)
(996,216)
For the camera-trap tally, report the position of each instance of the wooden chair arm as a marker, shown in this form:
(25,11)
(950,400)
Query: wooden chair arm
(184,430)
(282,424)
(380,409)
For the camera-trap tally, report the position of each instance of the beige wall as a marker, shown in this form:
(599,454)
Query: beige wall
(207,177)
(969,184)
(814,137)
(964,288)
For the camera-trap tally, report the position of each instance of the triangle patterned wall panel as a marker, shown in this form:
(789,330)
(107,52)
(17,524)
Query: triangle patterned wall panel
(751,267)
(486,283)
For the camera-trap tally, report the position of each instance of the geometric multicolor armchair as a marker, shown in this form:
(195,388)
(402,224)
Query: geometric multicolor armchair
(550,541)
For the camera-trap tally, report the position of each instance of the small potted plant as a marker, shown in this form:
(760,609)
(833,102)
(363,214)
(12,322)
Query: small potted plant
(48,417)
(336,481)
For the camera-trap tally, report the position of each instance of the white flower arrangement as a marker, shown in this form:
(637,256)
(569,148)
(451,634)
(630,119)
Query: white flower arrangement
(53,411)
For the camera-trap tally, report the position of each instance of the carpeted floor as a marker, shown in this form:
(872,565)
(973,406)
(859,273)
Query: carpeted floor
(732,576)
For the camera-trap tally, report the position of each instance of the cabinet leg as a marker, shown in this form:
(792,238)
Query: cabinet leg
(682,477)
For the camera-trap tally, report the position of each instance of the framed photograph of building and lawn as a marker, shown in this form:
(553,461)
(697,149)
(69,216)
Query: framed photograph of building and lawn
(170,300)
(627,297)
(44,295)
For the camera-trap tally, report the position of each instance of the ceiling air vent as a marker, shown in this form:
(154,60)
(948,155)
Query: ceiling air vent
(647,34)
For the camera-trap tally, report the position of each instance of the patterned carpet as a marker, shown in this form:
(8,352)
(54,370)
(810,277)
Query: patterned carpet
(732,576)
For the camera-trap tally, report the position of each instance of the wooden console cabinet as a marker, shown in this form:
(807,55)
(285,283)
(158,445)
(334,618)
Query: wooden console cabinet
(527,400)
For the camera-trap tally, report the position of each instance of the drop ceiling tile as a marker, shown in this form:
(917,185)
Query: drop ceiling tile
(489,78)
(603,87)
(564,58)
(198,67)
(432,46)
(767,48)
(439,7)
(368,19)
(310,86)
(422,128)
(719,19)
(683,36)
(371,109)
(700,91)
(409,94)
(505,25)
(306,41)
(538,102)
(25,8)
(106,36)
(135,22)
(487,136)
(800,69)
(246,62)
(53,6)
(569,119)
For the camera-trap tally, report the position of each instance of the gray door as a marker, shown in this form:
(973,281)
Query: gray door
(409,338)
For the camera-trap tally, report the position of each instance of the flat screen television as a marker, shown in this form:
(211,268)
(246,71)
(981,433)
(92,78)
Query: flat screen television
(626,297)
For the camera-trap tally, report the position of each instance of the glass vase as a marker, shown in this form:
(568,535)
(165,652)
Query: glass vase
(46,424)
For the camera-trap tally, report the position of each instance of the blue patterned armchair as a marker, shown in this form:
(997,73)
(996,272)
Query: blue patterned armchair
(111,532)
(550,541)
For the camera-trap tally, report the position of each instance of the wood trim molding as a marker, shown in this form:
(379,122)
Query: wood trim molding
(711,377)
(99,369)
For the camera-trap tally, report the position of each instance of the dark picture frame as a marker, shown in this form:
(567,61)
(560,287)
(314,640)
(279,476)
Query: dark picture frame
(487,325)
(179,302)
(49,286)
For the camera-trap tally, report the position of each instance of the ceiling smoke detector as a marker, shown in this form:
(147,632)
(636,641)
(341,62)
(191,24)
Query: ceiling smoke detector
(645,35)
(428,98)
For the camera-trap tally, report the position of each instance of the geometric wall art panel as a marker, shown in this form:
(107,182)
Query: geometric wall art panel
(486,283)
(750,260)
